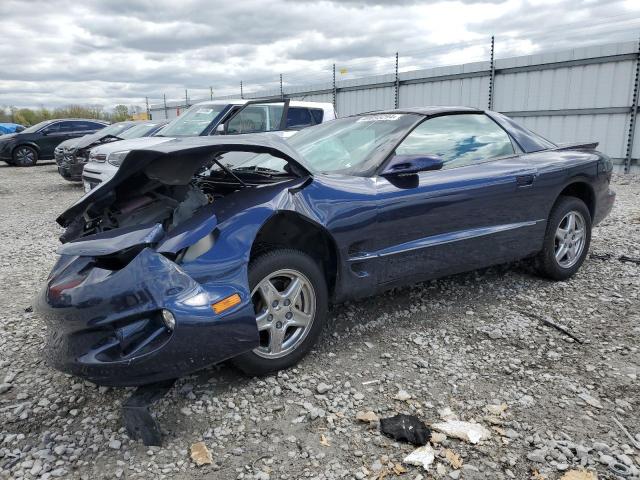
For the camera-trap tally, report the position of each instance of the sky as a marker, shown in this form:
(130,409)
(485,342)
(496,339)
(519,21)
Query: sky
(61,52)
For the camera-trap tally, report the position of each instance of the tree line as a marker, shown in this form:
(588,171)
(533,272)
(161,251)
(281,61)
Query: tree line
(29,116)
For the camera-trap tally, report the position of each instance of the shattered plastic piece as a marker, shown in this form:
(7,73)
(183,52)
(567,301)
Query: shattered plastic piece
(453,458)
(200,454)
(136,414)
(367,417)
(470,432)
(403,396)
(421,457)
(579,475)
(406,428)
(324,441)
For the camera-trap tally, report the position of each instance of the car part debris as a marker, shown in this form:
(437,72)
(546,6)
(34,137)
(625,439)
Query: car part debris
(421,457)
(601,256)
(137,417)
(619,469)
(634,442)
(467,431)
(625,258)
(552,324)
(200,454)
(406,428)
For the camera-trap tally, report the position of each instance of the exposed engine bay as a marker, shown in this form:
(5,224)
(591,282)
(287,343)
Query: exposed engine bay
(169,205)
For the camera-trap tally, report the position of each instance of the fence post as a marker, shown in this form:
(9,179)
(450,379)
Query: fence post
(241,91)
(164,97)
(186,99)
(146,100)
(281,90)
(335,108)
(632,118)
(211,93)
(397,99)
(492,74)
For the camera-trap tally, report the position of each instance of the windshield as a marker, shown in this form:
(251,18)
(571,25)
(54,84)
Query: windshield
(36,127)
(194,121)
(346,145)
(138,131)
(115,129)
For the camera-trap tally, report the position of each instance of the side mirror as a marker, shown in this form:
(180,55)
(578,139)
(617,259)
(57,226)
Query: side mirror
(409,164)
(220,129)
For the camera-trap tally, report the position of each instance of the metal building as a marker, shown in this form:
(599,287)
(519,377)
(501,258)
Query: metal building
(583,94)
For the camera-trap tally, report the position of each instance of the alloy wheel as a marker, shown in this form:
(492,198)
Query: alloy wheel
(569,239)
(25,156)
(285,305)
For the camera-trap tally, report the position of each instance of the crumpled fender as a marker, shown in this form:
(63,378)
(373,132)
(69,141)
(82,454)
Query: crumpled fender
(112,241)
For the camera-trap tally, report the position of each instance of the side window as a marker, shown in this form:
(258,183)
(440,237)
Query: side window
(317,114)
(66,127)
(252,119)
(52,128)
(459,139)
(89,126)
(298,117)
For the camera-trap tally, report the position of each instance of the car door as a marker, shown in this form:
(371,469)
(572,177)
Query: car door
(472,213)
(51,136)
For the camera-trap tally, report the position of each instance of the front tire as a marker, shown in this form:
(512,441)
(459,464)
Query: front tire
(567,239)
(290,297)
(25,156)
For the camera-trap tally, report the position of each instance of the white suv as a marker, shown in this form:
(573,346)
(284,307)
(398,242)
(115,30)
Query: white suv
(218,117)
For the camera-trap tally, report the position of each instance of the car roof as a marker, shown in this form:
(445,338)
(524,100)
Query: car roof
(427,111)
(242,101)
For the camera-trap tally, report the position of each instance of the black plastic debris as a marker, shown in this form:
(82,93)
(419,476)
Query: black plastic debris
(29,309)
(406,428)
(625,258)
(137,416)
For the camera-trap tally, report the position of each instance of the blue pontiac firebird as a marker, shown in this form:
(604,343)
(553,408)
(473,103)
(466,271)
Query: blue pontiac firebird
(207,249)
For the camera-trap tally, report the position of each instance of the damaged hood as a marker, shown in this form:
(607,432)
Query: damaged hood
(176,162)
(86,141)
(129,144)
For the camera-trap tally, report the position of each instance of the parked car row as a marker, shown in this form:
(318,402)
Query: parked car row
(91,151)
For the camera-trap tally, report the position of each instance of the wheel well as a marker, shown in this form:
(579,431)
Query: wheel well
(584,192)
(35,147)
(291,230)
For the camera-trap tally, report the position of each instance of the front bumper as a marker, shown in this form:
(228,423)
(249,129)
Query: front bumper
(105,325)
(70,168)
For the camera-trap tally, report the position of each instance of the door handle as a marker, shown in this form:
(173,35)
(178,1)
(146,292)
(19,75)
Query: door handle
(524,180)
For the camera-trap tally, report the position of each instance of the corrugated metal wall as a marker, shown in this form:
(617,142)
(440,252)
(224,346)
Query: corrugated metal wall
(574,95)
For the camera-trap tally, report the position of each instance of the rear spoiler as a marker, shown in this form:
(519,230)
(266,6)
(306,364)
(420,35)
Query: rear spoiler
(577,146)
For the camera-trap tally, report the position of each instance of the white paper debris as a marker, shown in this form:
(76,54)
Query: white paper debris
(421,457)
(470,432)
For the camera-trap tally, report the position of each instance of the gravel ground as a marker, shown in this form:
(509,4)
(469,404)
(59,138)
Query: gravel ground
(472,346)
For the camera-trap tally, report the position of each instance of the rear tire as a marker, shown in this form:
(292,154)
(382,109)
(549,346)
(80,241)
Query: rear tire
(290,296)
(567,239)
(25,156)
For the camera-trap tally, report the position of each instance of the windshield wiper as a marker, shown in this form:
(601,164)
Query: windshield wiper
(259,170)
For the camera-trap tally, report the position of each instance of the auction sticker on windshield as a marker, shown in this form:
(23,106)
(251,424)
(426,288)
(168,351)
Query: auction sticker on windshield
(385,117)
(204,111)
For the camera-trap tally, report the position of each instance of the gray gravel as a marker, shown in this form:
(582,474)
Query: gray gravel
(459,346)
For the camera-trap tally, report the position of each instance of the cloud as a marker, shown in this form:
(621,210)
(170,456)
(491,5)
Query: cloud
(57,52)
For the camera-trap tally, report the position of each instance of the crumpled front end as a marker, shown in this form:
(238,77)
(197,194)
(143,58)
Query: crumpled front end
(106,323)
